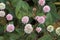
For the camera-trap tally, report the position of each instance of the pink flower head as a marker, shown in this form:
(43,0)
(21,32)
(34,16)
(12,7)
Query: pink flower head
(9,17)
(10,28)
(41,2)
(38,29)
(25,19)
(41,19)
(46,8)
(28,28)
(37,17)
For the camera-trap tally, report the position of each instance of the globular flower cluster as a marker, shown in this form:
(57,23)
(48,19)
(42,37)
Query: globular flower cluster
(2,6)
(46,8)
(40,19)
(41,2)
(38,29)
(2,13)
(50,28)
(9,17)
(28,28)
(58,31)
(10,28)
(25,19)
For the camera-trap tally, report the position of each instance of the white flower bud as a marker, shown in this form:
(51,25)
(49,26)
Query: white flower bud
(28,28)
(58,31)
(2,13)
(50,28)
(2,6)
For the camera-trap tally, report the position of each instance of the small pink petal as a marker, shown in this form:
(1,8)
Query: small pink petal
(9,17)
(38,29)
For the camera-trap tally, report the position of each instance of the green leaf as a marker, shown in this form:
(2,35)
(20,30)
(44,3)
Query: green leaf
(21,14)
(21,5)
(31,36)
(18,6)
(14,2)
(25,6)
(54,11)
(1,29)
(21,9)
(58,38)
(20,32)
(52,7)
(56,16)
(53,15)
(13,36)
(1,38)
(46,37)
(49,19)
